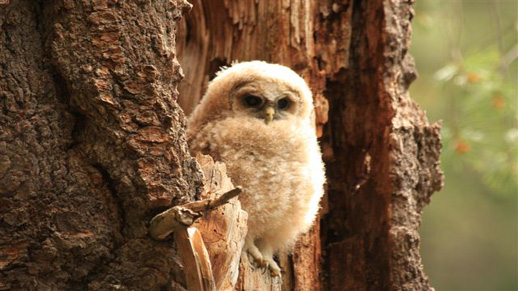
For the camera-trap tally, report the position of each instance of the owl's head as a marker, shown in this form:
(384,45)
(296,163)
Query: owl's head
(255,89)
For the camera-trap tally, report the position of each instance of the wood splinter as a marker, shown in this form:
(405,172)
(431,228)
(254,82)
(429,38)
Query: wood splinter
(183,216)
(192,250)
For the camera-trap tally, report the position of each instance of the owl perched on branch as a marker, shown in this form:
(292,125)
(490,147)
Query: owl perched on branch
(256,118)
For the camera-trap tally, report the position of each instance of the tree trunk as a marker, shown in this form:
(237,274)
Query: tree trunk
(92,138)
(91,144)
(381,154)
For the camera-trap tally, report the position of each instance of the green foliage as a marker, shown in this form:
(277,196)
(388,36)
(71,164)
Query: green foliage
(480,131)
(466,53)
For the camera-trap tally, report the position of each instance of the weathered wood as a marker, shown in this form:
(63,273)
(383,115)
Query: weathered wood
(182,216)
(223,229)
(381,153)
(216,33)
(195,258)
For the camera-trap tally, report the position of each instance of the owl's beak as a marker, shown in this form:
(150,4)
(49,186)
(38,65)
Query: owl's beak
(268,114)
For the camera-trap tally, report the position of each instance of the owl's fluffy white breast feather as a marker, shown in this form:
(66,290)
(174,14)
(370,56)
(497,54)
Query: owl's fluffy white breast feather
(279,164)
(279,167)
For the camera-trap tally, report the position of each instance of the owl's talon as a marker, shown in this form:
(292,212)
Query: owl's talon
(275,270)
(255,254)
(259,262)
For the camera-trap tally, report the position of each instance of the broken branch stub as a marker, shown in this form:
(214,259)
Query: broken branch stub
(183,216)
(209,204)
(173,219)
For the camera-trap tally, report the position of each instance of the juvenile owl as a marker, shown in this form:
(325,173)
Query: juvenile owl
(256,118)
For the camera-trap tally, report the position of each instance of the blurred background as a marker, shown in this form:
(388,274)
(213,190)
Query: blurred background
(466,54)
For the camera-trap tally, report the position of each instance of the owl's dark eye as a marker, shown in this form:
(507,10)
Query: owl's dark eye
(252,101)
(283,103)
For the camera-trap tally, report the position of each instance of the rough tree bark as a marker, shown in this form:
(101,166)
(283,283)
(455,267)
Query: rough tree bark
(382,155)
(92,142)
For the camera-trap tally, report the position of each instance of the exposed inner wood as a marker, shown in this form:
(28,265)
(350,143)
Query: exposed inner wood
(223,229)
(92,142)
(381,153)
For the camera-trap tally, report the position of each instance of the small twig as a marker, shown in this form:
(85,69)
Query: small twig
(185,215)
(209,204)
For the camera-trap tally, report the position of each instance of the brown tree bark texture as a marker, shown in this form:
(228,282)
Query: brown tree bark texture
(91,144)
(382,155)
